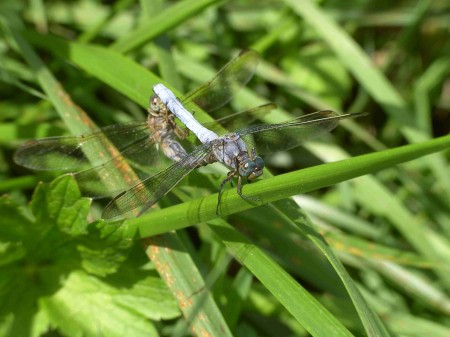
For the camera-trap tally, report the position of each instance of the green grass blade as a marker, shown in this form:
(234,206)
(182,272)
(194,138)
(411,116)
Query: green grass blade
(69,112)
(280,187)
(370,320)
(356,61)
(373,80)
(161,23)
(179,272)
(303,306)
(133,81)
(75,118)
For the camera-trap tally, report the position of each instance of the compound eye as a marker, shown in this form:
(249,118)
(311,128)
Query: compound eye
(259,162)
(154,106)
(247,169)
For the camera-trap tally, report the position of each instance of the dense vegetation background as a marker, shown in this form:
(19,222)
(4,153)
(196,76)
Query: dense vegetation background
(367,256)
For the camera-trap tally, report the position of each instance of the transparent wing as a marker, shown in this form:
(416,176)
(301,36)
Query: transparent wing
(232,77)
(70,153)
(238,119)
(268,138)
(145,194)
(113,176)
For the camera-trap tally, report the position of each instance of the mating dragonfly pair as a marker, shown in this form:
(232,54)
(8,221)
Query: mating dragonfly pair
(138,144)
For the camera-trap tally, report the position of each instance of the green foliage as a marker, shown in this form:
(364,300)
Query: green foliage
(53,268)
(364,253)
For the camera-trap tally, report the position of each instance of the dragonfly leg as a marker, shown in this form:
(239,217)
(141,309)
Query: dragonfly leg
(229,178)
(239,191)
(180,132)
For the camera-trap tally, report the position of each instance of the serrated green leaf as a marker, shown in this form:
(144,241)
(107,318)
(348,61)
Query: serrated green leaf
(100,262)
(19,290)
(61,202)
(39,251)
(85,306)
(151,298)
(14,223)
(10,252)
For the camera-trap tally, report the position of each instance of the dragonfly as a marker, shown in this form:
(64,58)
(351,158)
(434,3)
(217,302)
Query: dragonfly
(239,150)
(136,143)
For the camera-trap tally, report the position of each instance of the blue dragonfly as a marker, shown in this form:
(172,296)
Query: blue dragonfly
(239,150)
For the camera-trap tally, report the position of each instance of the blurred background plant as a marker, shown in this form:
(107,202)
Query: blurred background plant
(62,274)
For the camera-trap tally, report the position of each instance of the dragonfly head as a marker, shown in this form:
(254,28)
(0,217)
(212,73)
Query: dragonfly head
(251,168)
(155,105)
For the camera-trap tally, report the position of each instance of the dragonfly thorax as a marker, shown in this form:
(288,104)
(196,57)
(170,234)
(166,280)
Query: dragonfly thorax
(163,130)
(233,152)
(159,120)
